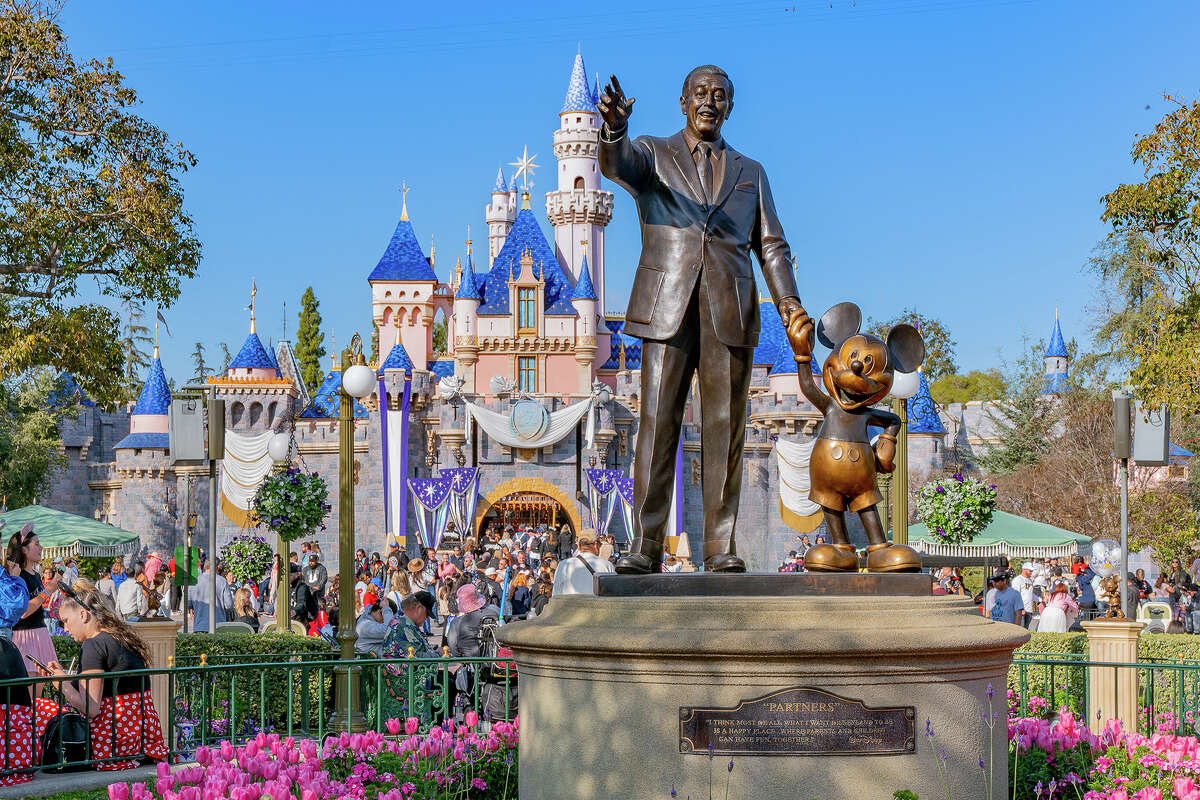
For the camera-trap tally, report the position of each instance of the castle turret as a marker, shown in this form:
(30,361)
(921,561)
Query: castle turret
(926,433)
(402,289)
(499,215)
(148,420)
(1056,359)
(584,300)
(579,210)
(466,331)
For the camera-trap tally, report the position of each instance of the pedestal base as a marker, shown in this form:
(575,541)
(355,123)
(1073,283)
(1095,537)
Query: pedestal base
(605,683)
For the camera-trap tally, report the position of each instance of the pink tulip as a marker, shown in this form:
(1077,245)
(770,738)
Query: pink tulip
(411,725)
(118,791)
(252,748)
(394,726)
(227,751)
(471,718)
(308,794)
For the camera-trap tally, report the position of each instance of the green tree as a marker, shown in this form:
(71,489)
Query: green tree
(135,338)
(439,336)
(1023,419)
(198,363)
(226,357)
(1163,518)
(374,344)
(310,342)
(975,385)
(939,347)
(1151,261)
(90,200)
(29,439)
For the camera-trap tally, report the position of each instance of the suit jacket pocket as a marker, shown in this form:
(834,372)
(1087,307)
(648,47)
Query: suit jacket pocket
(745,187)
(647,284)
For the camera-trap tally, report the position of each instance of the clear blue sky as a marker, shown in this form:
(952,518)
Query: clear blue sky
(951,152)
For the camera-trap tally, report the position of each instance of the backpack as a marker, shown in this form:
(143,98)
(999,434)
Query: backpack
(65,740)
(498,670)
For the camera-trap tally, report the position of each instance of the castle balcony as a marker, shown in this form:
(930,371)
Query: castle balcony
(579,206)
(103,476)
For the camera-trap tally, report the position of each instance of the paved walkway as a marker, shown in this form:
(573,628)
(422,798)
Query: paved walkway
(46,784)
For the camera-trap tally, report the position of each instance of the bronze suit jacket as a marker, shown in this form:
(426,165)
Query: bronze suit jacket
(683,238)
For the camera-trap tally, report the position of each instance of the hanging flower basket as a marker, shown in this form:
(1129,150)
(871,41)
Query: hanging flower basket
(293,504)
(248,557)
(956,509)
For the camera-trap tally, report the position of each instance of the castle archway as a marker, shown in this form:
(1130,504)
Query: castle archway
(525,500)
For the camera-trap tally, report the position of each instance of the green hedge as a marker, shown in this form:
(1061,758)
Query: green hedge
(239,699)
(223,648)
(1060,685)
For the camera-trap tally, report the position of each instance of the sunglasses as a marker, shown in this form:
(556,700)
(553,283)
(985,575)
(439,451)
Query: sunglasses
(74,597)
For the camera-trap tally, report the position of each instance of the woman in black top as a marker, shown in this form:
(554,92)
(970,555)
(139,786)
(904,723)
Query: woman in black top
(124,722)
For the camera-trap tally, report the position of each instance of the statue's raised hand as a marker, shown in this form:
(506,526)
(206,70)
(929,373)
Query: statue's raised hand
(614,106)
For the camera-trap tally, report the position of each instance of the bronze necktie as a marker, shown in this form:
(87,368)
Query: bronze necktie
(705,170)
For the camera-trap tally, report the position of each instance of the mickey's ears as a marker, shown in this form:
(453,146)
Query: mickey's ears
(906,347)
(838,324)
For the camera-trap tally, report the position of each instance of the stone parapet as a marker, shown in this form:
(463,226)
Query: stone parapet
(1113,691)
(614,675)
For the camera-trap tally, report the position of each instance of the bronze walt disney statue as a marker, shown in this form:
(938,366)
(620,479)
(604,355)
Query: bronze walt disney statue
(857,375)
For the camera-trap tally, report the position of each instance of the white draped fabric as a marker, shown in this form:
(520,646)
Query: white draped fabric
(243,469)
(562,424)
(396,464)
(794,503)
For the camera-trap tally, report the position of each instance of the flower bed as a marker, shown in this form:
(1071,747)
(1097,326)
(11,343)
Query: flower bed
(452,761)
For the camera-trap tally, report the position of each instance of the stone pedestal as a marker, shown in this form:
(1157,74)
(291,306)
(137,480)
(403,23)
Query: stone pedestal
(160,637)
(608,684)
(1113,691)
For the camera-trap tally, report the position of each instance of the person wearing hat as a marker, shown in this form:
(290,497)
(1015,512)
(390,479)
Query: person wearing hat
(1023,584)
(407,631)
(463,634)
(1007,605)
(574,575)
(417,577)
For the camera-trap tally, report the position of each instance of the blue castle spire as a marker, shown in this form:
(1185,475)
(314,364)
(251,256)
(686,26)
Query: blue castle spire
(584,290)
(501,187)
(1056,359)
(922,411)
(469,288)
(156,394)
(579,94)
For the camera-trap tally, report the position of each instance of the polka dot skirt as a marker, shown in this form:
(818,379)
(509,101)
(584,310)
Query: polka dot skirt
(127,725)
(16,726)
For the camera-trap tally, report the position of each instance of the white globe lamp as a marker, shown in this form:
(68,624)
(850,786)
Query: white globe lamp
(905,384)
(358,381)
(280,446)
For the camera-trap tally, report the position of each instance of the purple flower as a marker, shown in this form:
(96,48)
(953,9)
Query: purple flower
(958,477)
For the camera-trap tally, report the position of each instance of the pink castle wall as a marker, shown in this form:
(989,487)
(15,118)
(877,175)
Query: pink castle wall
(562,375)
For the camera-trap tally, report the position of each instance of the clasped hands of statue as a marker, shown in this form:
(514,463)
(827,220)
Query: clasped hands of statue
(615,110)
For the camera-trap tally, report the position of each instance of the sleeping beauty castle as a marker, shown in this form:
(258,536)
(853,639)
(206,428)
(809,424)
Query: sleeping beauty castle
(528,416)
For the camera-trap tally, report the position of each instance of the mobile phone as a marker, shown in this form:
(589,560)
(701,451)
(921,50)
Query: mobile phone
(38,664)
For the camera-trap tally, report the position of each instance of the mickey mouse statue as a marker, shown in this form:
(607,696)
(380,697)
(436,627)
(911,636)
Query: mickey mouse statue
(857,375)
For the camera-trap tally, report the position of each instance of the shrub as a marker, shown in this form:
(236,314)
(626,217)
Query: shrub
(292,503)
(1049,686)
(957,509)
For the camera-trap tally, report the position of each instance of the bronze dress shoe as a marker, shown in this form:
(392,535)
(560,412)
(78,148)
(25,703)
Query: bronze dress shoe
(636,564)
(831,558)
(724,563)
(893,558)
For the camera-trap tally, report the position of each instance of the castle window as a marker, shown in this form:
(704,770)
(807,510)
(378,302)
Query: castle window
(526,310)
(527,374)
(578,120)
(579,182)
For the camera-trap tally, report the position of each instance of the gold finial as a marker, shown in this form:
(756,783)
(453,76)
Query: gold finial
(404,200)
(253,292)
(156,351)
(204,659)
(468,240)
(583,242)
(457,274)
(525,201)
(332,350)
(432,249)
(542,271)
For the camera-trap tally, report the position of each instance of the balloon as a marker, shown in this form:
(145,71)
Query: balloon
(905,384)
(1106,557)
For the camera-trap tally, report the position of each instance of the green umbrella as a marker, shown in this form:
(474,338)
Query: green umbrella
(63,534)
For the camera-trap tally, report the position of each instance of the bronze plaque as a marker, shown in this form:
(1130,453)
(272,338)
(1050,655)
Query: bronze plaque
(797,722)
